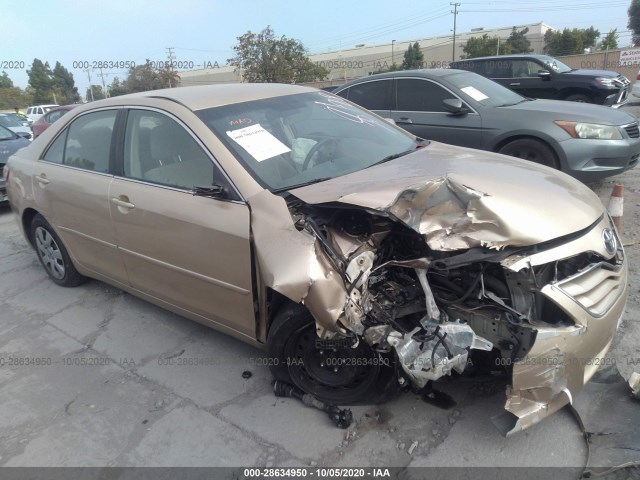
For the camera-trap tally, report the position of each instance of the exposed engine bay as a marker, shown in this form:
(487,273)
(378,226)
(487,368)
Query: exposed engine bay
(433,308)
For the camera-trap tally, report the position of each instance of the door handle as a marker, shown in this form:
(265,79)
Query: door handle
(404,120)
(42,178)
(514,84)
(122,201)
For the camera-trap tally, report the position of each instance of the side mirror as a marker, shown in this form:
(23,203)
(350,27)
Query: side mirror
(214,191)
(455,106)
(544,74)
(26,135)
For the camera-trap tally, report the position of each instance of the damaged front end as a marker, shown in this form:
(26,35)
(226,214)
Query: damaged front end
(435,275)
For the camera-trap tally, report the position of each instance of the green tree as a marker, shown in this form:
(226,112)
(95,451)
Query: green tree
(570,42)
(98,93)
(263,58)
(11,97)
(64,85)
(5,81)
(117,88)
(610,40)
(518,42)
(41,81)
(413,58)
(634,21)
(485,46)
(142,78)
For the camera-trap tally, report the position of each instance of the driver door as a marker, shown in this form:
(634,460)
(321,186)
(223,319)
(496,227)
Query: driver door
(192,252)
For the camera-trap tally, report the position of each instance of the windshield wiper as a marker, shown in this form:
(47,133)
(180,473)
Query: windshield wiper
(300,185)
(517,103)
(388,158)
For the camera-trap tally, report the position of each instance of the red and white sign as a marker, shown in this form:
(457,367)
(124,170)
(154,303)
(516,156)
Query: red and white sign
(630,57)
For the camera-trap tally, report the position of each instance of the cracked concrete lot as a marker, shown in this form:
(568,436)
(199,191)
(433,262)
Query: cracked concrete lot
(92,376)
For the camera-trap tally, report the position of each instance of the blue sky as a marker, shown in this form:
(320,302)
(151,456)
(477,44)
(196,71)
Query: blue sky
(205,31)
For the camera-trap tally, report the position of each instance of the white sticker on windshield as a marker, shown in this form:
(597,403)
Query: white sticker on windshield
(260,144)
(474,93)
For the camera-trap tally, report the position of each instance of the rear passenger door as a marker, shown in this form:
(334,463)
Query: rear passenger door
(71,185)
(419,110)
(374,95)
(192,252)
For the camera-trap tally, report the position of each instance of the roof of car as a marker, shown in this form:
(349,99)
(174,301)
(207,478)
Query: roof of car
(500,57)
(422,72)
(208,96)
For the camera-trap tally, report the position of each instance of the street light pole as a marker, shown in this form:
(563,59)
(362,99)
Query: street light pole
(393,58)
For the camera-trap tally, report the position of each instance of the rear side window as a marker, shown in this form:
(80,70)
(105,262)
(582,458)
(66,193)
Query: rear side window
(371,95)
(86,143)
(414,95)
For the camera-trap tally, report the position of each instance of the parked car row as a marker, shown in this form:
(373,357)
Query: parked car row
(458,107)
(363,258)
(10,143)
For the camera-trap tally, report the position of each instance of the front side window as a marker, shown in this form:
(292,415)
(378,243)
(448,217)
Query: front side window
(86,143)
(414,95)
(158,149)
(291,140)
(526,69)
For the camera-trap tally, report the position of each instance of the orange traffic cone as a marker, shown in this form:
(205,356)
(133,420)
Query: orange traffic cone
(616,210)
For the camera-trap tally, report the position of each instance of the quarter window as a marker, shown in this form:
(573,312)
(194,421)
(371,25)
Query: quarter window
(158,149)
(415,95)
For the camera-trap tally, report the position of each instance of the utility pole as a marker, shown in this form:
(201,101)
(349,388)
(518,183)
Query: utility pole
(104,87)
(455,15)
(171,57)
(88,70)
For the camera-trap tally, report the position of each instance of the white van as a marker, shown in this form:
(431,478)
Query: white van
(35,112)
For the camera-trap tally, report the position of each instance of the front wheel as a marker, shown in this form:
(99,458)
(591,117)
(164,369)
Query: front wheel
(53,255)
(578,97)
(532,150)
(340,376)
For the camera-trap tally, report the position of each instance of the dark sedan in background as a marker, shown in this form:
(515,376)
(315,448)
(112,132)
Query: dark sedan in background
(589,142)
(10,143)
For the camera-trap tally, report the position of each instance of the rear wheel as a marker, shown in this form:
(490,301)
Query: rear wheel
(341,376)
(532,150)
(53,255)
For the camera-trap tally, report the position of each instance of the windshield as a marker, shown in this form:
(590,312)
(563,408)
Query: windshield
(484,91)
(555,64)
(7,121)
(292,140)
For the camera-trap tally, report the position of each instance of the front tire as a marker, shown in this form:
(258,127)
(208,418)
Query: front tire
(343,376)
(532,150)
(53,255)
(578,97)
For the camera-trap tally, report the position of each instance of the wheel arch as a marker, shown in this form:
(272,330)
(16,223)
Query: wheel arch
(567,92)
(560,157)
(27,218)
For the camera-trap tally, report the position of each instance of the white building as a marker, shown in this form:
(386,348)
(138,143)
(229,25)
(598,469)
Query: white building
(362,60)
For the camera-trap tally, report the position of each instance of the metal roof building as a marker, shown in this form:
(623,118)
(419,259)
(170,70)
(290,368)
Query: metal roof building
(362,60)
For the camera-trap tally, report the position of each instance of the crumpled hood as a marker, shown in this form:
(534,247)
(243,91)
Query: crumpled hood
(461,198)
